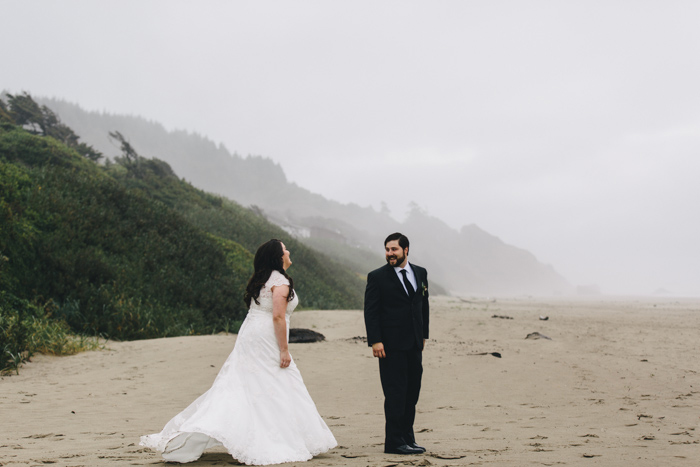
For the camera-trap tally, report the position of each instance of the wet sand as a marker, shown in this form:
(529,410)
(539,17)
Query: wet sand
(617,384)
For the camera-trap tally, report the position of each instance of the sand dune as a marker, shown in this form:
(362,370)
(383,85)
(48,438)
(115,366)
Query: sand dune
(617,384)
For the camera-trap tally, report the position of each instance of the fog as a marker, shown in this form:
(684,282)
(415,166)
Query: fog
(570,129)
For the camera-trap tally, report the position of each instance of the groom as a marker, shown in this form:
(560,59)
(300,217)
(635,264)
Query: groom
(396,318)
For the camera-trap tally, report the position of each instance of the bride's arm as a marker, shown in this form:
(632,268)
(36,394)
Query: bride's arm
(279,312)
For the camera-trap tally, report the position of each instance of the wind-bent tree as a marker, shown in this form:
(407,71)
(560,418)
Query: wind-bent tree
(129,158)
(24,111)
(5,113)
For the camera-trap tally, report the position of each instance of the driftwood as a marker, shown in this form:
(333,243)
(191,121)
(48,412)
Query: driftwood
(357,339)
(493,300)
(537,335)
(304,336)
(495,354)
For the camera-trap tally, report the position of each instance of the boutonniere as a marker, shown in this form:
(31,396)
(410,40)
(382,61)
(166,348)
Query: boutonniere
(424,286)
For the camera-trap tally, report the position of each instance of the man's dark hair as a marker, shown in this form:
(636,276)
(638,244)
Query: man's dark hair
(403,240)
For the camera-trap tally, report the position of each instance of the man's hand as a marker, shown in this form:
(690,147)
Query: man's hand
(423,345)
(378,350)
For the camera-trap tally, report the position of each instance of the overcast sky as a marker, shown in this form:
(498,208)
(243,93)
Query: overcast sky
(568,128)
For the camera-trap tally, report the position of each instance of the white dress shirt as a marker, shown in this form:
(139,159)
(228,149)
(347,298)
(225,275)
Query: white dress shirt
(409,274)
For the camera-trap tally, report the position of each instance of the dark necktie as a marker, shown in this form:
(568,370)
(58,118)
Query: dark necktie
(407,283)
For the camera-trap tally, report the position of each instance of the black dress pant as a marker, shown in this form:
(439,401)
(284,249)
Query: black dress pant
(400,372)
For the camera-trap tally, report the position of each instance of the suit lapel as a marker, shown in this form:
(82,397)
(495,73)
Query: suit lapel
(419,282)
(394,279)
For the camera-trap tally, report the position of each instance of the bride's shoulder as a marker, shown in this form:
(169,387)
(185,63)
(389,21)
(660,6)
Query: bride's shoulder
(277,278)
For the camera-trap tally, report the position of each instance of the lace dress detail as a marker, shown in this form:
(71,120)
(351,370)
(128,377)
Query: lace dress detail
(261,413)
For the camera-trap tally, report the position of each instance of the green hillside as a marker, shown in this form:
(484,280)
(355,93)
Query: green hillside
(127,250)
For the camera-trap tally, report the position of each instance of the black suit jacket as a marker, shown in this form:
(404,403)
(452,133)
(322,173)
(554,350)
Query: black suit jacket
(391,317)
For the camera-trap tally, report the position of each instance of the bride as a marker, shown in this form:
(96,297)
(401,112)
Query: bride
(258,407)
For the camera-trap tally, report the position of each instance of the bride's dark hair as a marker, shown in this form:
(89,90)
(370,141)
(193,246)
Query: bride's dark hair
(268,258)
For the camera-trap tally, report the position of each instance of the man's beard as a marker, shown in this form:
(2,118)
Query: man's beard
(399,259)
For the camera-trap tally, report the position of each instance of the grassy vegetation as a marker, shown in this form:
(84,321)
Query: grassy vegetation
(26,329)
(127,250)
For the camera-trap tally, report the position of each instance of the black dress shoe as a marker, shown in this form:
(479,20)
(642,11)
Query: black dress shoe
(415,446)
(403,449)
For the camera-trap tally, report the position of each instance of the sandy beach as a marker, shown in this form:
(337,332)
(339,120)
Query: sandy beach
(617,383)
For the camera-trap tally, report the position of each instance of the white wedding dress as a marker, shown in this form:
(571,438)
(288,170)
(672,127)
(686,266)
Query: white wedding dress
(261,413)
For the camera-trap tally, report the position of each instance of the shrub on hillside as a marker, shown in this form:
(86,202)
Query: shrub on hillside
(27,329)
